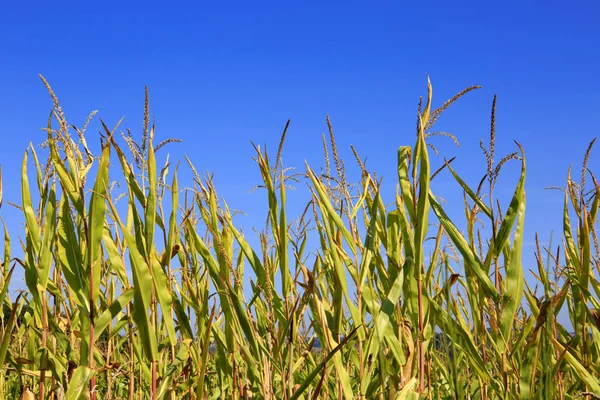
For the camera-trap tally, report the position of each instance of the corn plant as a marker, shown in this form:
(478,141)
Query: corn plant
(139,287)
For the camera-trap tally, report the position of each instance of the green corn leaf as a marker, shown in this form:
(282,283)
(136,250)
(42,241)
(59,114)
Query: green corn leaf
(471,259)
(470,192)
(408,391)
(112,311)
(5,286)
(96,217)
(250,254)
(162,287)
(69,186)
(286,277)
(69,254)
(422,216)
(571,248)
(142,282)
(45,258)
(30,218)
(7,336)
(307,382)
(449,324)
(78,385)
(129,174)
(203,359)
(508,222)
(326,205)
(184,326)
(514,270)
(582,372)
(114,257)
(172,235)
(404,154)
(150,205)
(6,261)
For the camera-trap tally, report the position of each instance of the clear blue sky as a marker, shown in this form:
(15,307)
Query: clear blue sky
(223,75)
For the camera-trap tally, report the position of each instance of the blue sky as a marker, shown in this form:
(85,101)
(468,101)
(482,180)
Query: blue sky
(223,75)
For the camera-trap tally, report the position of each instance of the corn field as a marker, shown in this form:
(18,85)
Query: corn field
(140,287)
